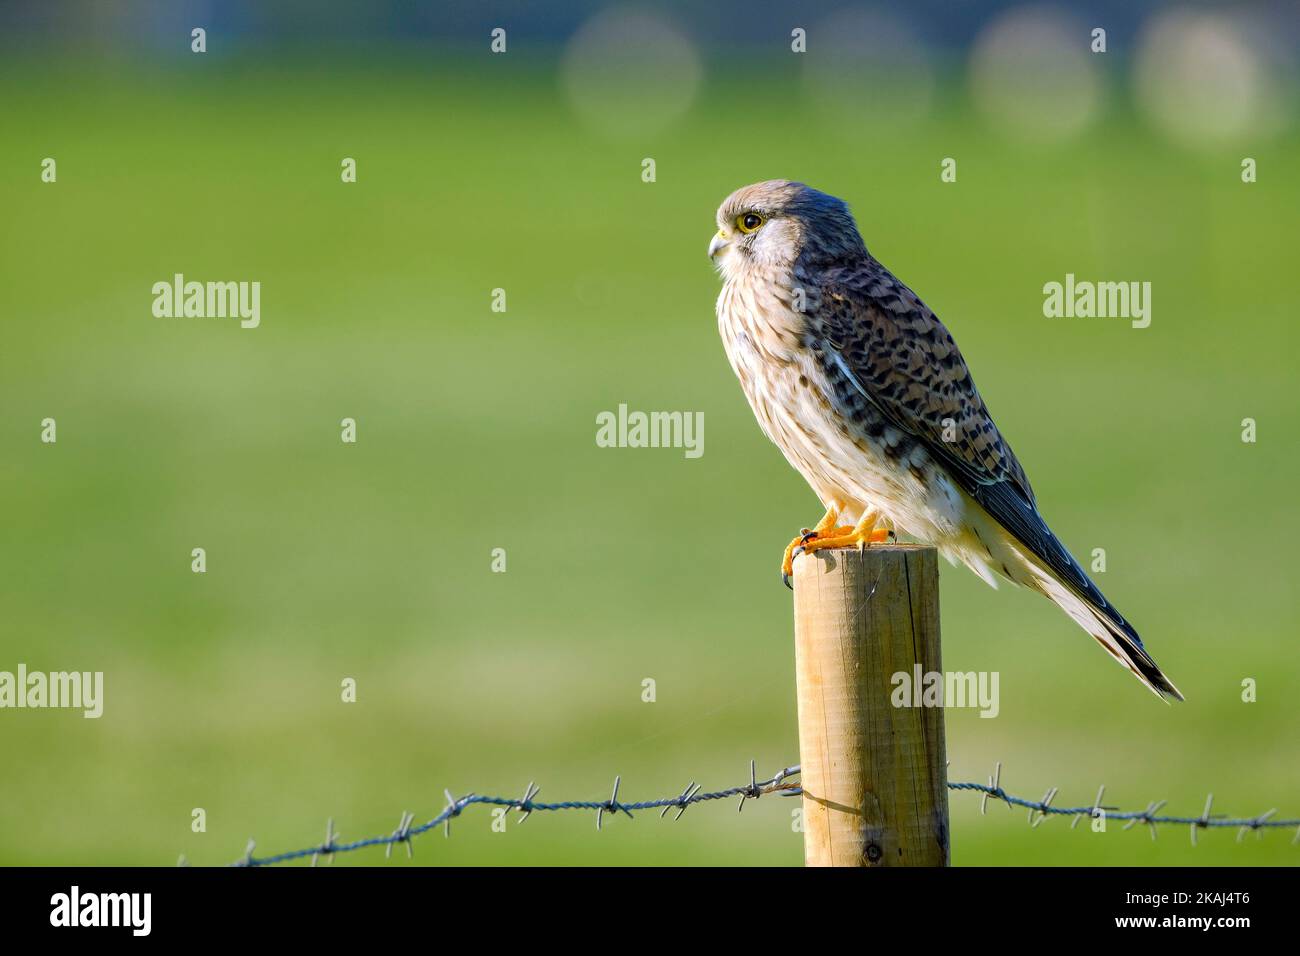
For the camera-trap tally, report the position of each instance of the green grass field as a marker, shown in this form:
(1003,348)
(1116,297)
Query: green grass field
(476,431)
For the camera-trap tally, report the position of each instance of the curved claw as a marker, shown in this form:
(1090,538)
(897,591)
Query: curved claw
(798,546)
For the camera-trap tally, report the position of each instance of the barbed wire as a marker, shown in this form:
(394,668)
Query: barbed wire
(1039,810)
(780,784)
(527,805)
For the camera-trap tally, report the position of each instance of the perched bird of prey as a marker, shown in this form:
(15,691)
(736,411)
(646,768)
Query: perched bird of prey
(864,391)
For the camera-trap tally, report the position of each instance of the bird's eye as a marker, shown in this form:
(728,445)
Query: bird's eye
(749,222)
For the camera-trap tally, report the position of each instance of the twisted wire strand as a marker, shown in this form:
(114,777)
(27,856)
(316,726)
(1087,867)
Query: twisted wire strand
(781,784)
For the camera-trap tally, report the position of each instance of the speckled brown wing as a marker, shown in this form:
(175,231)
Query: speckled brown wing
(899,356)
(906,362)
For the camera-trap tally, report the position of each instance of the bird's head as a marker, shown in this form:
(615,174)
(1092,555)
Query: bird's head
(778,223)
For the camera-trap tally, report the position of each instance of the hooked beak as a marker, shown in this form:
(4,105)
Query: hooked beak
(717,244)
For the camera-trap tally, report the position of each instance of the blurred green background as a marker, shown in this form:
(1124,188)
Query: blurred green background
(476,431)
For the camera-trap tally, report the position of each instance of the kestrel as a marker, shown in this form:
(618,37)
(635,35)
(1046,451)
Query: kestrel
(864,391)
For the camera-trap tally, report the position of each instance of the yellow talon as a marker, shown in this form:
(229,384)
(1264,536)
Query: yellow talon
(826,537)
(802,541)
(854,537)
(826,526)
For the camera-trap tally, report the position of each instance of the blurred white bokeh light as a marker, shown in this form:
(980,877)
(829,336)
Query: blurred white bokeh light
(1033,73)
(1206,79)
(865,67)
(629,72)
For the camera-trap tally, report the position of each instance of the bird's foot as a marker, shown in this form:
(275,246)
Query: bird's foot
(854,537)
(860,535)
(797,546)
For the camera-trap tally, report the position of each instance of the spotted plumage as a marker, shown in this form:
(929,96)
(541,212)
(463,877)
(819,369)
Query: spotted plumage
(867,395)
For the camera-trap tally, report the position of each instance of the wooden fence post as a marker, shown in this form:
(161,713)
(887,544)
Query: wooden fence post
(875,781)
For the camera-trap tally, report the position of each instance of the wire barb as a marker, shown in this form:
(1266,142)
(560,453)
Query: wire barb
(612,804)
(752,792)
(1044,806)
(994,789)
(1147,816)
(452,809)
(1097,808)
(683,801)
(401,835)
(327,847)
(525,806)
(1204,819)
(1255,824)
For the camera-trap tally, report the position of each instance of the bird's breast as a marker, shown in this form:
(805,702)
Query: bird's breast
(757,322)
(807,405)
